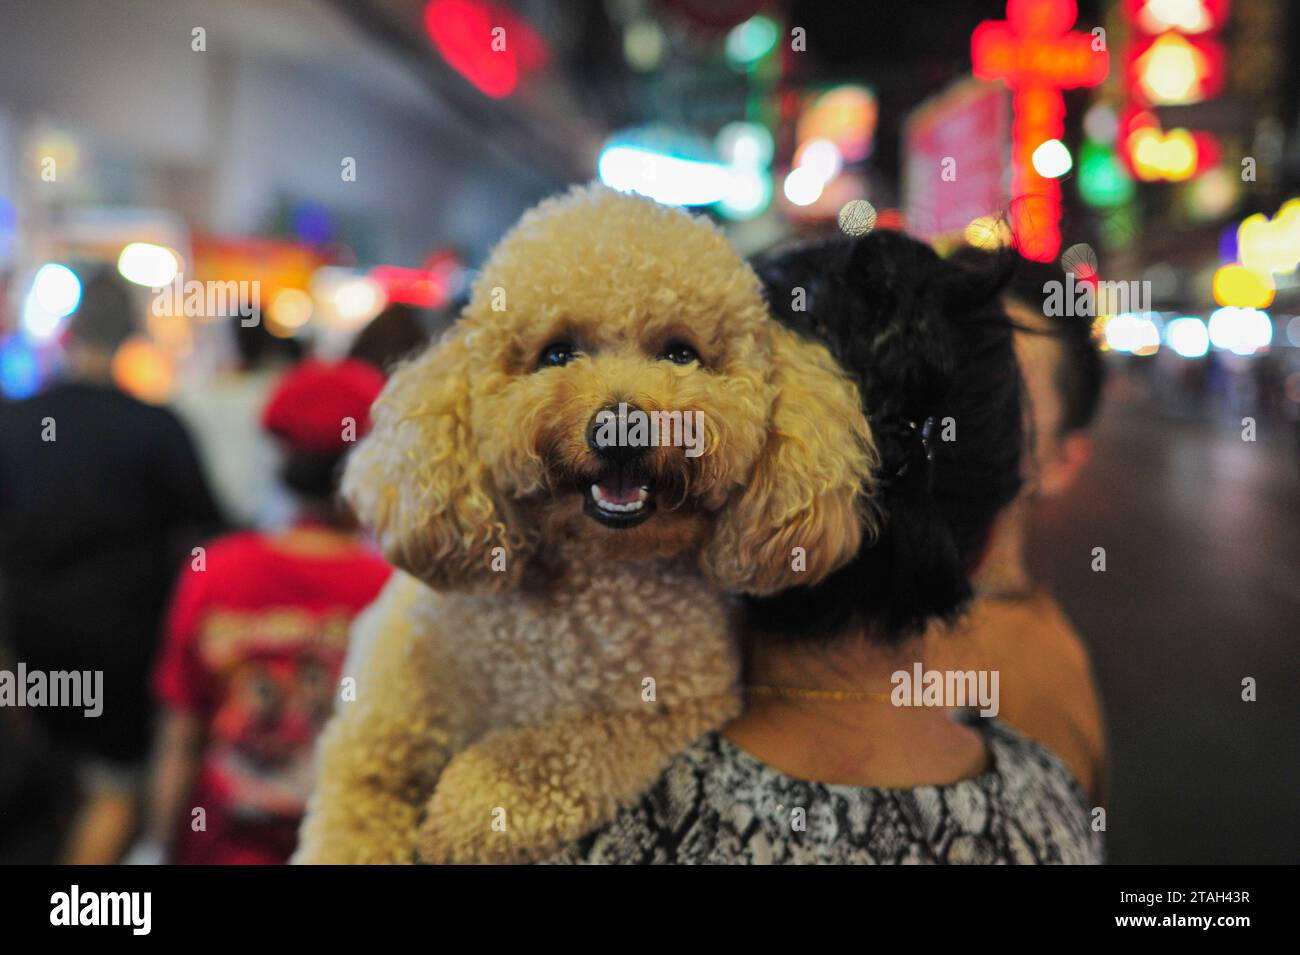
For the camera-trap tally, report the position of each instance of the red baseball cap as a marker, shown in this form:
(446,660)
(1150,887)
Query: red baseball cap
(311,406)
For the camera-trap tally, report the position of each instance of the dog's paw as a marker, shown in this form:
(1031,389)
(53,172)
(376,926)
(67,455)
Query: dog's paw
(468,818)
(497,803)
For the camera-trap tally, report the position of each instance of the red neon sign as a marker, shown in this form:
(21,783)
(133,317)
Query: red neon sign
(1154,154)
(487,44)
(1189,17)
(1175,58)
(1034,53)
(1190,68)
(429,286)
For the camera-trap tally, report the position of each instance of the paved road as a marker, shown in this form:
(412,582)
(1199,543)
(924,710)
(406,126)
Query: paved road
(1201,590)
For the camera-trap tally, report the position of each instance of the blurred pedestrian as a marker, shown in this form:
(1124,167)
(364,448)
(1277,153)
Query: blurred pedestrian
(222,411)
(256,639)
(38,789)
(99,496)
(1015,626)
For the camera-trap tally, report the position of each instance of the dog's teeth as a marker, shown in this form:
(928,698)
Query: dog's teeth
(629,507)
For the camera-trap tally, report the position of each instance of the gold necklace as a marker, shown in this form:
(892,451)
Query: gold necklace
(794,693)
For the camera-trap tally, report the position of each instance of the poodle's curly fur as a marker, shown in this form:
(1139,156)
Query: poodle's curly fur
(533,669)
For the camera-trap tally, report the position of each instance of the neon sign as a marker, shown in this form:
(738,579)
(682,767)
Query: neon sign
(484,42)
(1174,59)
(1036,55)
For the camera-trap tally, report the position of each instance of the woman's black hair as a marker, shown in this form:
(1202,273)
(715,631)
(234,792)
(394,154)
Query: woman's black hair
(931,351)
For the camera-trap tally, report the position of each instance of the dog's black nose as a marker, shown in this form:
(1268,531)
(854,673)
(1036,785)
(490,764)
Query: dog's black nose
(618,434)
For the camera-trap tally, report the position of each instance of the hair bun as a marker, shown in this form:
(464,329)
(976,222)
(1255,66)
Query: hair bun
(924,339)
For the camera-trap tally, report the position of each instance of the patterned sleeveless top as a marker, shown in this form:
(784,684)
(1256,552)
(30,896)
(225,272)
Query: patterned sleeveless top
(717,804)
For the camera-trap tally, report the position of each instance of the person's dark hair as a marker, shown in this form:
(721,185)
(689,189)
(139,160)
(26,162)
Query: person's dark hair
(258,348)
(309,475)
(931,351)
(1080,373)
(104,318)
(391,336)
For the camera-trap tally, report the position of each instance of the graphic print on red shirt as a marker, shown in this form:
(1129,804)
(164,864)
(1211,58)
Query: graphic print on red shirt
(254,648)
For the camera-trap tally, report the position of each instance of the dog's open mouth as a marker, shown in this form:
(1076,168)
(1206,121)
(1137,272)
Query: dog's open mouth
(620,500)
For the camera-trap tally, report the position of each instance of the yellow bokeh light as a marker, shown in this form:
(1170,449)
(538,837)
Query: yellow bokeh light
(290,309)
(1241,287)
(1169,156)
(989,233)
(144,370)
(54,152)
(1171,71)
(1271,245)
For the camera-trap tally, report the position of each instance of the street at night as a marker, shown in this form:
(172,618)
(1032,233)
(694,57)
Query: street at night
(1201,590)
(532,435)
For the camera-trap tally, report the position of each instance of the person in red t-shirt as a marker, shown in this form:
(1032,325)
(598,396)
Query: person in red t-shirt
(255,642)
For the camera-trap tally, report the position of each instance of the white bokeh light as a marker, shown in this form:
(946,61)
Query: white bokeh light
(56,289)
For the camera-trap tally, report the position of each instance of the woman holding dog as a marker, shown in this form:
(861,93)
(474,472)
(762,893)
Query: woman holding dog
(823,767)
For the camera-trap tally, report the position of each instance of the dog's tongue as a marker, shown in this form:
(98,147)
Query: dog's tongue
(618,489)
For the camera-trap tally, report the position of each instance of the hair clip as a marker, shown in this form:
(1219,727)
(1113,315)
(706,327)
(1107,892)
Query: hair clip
(923,430)
(927,427)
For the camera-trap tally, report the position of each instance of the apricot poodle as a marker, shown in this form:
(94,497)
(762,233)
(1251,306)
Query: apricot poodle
(560,627)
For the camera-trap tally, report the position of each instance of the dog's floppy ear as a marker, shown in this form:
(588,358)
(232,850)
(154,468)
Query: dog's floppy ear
(806,506)
(418,483)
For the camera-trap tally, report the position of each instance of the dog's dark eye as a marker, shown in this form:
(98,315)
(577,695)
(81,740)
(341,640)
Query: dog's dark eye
(556,354)
(680,353)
